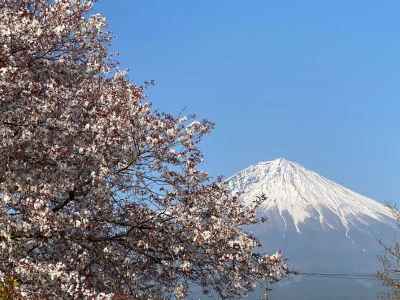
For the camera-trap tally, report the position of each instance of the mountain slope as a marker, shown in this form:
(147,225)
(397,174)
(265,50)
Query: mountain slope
(320,225)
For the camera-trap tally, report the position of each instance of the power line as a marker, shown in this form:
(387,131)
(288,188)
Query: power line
(340,275)
(350,276)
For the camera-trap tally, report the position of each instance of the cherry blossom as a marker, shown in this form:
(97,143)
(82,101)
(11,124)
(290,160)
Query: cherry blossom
(101,196)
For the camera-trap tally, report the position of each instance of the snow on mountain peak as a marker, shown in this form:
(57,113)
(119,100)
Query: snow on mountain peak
(299,195)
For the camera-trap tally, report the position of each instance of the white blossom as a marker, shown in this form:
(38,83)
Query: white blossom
(101,195)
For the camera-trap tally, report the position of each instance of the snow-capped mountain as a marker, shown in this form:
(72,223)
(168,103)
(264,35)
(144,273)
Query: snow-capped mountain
(300,196)
(320,225)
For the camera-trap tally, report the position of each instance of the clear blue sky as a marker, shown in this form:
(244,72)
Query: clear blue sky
(317,82)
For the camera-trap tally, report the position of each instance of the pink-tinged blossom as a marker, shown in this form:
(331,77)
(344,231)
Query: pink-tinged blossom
(101,197)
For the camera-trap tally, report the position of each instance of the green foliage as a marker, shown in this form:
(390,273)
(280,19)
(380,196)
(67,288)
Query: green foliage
(8,289)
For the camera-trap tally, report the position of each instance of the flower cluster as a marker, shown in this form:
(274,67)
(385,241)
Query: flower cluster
(100,195)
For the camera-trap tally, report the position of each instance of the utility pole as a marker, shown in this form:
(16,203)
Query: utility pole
(266,295)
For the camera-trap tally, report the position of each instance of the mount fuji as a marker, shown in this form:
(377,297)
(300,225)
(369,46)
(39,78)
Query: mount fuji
(322,228)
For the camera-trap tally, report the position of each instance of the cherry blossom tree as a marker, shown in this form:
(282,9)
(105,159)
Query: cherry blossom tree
(101,196)
(390,265)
